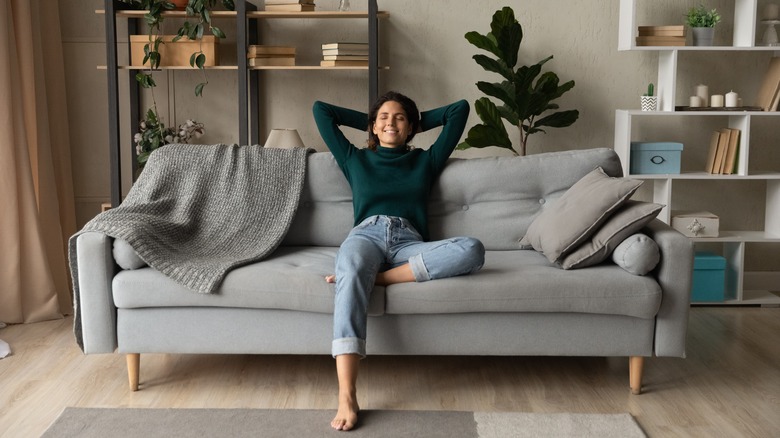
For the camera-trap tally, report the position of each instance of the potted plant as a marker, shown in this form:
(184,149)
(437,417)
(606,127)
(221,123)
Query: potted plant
(526,99)
(702,23)
(153,134)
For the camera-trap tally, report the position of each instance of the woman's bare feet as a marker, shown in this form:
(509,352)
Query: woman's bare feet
(347,415)
(400,274)
(330,278)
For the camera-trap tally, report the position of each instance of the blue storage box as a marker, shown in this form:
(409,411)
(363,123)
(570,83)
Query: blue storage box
(655,157)
(709,277)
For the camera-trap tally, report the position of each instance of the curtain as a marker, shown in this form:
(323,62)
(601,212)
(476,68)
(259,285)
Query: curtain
(37,212)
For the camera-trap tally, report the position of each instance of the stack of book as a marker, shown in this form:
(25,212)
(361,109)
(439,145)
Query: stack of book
(769,93)
(289,5)
(259,55)
(661,36)
(344,55)
(722,156)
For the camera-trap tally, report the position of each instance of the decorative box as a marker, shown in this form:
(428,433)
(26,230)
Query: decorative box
(655,157)
(696,223)
(709,277)
(178,53)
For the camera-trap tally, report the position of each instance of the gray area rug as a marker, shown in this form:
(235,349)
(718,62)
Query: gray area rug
(149,423)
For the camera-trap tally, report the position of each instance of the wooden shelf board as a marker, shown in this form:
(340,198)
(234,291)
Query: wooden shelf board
(701,113)
(256,14)
(709,176)
(702,48)
(177,67)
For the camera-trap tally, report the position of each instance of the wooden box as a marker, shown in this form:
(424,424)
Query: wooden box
(696,223)
(175,54)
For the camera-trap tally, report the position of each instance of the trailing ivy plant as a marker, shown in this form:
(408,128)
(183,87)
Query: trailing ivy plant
(526,99)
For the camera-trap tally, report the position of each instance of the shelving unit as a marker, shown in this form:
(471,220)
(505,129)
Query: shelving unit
(246,17)
(733,241)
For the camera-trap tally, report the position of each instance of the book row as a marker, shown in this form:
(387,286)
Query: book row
(333,55)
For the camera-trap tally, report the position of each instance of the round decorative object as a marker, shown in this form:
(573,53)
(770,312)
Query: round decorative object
(180,4)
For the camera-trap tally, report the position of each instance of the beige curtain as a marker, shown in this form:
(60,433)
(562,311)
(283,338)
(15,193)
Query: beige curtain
(36,186)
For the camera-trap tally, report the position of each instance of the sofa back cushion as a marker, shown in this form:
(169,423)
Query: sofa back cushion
(493,199)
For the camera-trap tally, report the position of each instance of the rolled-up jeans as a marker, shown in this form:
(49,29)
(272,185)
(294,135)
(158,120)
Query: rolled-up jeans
(384,242)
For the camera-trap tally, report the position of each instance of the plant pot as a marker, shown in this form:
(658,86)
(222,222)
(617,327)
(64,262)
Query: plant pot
(702,36)
(648,103)
(180,4)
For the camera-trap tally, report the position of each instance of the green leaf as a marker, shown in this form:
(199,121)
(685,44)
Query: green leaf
(494,65)
(508,34)
(483,42)
(559,119)
(199,89)
(217,32)
(192,59)
(200,61)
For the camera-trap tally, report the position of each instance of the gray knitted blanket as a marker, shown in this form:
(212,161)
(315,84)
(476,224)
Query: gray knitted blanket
(198,211)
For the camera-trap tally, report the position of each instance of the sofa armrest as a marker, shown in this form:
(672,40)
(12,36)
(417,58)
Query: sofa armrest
(96,310)
(674,273)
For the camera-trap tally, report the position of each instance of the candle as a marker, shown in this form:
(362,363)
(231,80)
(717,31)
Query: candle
(703,92)
(771,12)
(716,101)
(732,99)
(695,102)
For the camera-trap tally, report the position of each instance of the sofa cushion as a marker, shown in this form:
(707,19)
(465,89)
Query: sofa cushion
(293,278)
(638,254)
(525,281)
(578,213)
(627,220)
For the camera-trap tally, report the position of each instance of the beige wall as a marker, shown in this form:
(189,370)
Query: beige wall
(430,60)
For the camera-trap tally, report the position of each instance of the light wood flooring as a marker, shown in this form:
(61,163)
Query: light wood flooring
(728,386)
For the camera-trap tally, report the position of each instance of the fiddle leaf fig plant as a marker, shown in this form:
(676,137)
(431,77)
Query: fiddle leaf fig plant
(526,93)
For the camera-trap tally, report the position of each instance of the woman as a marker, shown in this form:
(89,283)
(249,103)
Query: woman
(390,184)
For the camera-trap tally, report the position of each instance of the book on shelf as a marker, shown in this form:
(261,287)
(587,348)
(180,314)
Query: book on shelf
(344,45)
(256,50)
(730,160)
(325,63)
(720,153)
(271,61)
(770,87)
(713,151)
(673,30)
(660,41)
(289,2)
(290,7)
(352,52)
(345,58)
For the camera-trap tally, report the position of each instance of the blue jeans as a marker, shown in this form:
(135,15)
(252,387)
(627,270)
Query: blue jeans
(384,242)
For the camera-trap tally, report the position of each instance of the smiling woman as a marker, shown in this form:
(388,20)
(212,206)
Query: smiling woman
(390,184)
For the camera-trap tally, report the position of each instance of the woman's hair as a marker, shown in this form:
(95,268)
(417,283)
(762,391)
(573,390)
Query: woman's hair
(410,108)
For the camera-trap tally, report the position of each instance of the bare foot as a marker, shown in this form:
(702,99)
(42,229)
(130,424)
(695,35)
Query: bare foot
(347,415)
(330,278)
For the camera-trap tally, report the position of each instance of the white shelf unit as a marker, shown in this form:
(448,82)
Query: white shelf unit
(733,241)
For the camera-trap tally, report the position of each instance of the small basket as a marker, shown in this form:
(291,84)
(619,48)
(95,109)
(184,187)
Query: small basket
(648,103)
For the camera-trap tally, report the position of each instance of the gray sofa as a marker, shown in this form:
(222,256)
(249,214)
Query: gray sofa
(518,304)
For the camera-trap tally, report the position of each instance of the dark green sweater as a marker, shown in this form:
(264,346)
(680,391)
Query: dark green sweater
(391,181)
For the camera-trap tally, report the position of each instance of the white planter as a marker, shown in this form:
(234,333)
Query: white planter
(648,103)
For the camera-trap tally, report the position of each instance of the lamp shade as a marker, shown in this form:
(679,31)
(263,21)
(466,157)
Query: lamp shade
(284,138)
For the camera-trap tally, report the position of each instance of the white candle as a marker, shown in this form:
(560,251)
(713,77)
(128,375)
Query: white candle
(732,99)
(703,92)
(716,101)
(771,12)
(695,102)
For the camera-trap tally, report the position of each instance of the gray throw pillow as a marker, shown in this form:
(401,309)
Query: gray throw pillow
(638,254)
(631,217)
(559,228)
(125,256)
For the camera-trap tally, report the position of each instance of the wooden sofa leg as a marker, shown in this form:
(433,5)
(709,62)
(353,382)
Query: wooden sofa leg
(635,364)
(133,365)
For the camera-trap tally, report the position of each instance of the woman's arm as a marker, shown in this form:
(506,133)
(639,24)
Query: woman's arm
(453,117)
(328,118)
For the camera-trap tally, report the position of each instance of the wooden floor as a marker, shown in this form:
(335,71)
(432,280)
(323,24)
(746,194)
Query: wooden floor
(729,386)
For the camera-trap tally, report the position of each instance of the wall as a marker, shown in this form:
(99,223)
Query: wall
(430,60)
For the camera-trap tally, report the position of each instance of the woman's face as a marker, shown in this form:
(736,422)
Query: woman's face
(391,125)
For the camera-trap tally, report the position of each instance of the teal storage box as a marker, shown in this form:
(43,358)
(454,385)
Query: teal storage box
(655,157)
(709,277)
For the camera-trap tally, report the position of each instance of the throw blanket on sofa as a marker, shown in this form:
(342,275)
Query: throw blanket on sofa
(198,211)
